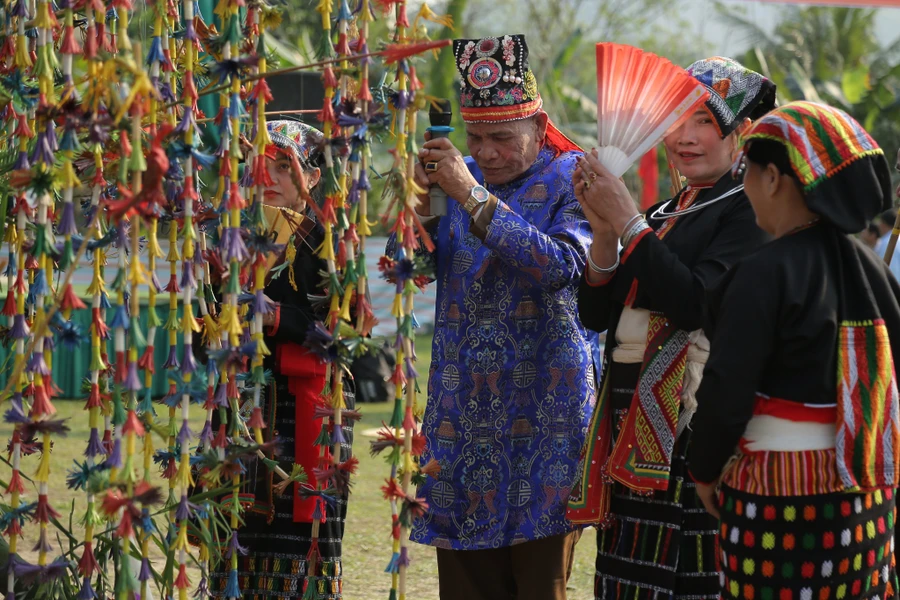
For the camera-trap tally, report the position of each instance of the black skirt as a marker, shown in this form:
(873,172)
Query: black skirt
(660,545)
(275,565)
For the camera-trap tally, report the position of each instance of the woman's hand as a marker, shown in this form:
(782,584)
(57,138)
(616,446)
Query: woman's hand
(268,319)
(599,226)
(707,494)
(604,195)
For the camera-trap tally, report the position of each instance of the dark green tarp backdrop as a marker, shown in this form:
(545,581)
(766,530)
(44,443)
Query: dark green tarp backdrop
(70,367)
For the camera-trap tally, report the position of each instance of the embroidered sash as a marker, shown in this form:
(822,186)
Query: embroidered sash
(642,455)
(868,419)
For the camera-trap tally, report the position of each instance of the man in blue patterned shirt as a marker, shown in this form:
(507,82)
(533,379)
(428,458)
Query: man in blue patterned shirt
(511,384)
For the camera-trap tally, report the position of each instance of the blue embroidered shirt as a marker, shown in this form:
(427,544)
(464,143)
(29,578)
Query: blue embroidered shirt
(511,385)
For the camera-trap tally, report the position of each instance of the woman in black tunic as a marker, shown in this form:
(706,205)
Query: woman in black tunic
(655,539)
(278,527)
(800,384)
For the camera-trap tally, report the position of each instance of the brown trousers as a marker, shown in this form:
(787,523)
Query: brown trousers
(536,570)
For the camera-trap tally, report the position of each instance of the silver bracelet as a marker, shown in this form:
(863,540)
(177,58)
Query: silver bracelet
(628,234)
(628,224)
(635,230)
(601,270)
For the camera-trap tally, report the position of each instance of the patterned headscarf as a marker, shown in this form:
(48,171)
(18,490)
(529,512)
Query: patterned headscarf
(296,137)
(735,92)
(844,174)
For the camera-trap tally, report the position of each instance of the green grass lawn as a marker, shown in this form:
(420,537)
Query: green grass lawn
(367,545)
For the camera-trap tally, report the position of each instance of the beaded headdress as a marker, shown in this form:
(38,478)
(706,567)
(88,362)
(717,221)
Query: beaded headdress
(497,84)
(844,174)
(735,92)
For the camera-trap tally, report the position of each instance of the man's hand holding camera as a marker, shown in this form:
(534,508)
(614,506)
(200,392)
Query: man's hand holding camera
(440,163)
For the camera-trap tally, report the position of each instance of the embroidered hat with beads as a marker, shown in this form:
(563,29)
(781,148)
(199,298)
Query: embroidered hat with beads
(296,137)
(498,86)
(844,174)
(735,92)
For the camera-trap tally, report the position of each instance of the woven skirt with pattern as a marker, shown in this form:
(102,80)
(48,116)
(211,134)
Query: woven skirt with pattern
(275,566)
(818,547)
(658,546)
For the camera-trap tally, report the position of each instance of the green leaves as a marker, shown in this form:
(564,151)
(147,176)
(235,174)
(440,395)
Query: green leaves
(855,84)
(829,55)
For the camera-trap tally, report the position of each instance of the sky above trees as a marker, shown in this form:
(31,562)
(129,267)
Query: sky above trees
(724,38)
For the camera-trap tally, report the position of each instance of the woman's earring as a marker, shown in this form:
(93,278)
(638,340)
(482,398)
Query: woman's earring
(739,167)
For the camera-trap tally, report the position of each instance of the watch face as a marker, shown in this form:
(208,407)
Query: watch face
(480,194)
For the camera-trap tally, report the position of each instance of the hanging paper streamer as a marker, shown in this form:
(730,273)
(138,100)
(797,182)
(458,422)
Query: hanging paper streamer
(108,173)
(401,434)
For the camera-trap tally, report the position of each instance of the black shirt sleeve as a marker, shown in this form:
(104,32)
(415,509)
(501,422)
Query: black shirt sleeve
(668,285)
(595,303)
(740,349)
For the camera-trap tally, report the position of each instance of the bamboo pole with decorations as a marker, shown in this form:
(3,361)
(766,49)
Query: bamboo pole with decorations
(155,200)
(171,471)
(335,477)
(14,309)
(401,435)
(205,442)
(97,404)
(325,51)
(189,324)
(43,187)
(234,252)
(361,228)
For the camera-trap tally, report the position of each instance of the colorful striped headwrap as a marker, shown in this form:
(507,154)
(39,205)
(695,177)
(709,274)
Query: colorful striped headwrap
(843,172)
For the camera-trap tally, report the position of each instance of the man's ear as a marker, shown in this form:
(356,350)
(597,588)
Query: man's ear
(540,121)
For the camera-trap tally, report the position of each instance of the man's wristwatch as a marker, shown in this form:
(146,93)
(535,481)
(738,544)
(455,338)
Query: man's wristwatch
(477,197)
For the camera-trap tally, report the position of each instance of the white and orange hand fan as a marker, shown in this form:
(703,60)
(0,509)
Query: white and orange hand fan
(640,98)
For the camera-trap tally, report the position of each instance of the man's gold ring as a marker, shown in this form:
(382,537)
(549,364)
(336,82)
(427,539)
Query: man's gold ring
(431,166)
